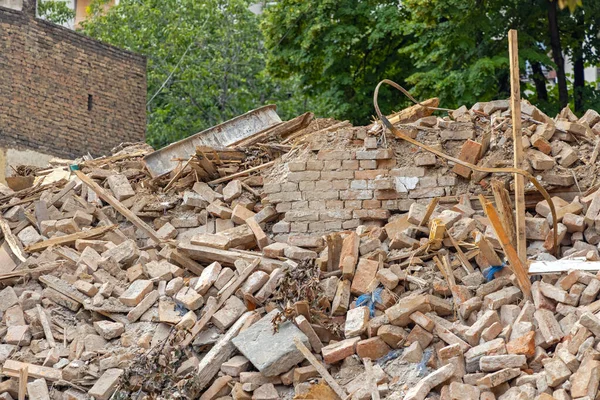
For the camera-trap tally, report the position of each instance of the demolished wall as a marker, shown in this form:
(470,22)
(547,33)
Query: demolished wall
(346,177)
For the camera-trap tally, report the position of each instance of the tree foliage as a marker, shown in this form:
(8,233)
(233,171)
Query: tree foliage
(55,11)
(205,61)
(209,61)
(338,49)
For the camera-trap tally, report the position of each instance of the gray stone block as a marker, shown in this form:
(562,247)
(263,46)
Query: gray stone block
(272,353)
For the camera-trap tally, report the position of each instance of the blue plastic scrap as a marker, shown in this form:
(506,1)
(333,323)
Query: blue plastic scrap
(369,300)
(422,366)
(489,272)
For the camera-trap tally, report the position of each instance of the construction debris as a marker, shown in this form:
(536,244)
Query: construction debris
(309,257)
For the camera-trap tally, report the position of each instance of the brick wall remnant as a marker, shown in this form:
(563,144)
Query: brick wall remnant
(63,93)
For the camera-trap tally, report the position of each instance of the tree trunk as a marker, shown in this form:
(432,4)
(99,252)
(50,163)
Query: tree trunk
(540,82)
(557,54)
(578,83)
(578,64)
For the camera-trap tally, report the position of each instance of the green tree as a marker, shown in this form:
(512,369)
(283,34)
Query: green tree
(205,61)
(338,50)
(55,11)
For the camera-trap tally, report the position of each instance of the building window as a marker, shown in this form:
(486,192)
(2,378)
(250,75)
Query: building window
(90,102)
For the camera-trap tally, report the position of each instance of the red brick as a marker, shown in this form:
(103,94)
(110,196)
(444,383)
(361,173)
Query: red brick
(372,348)
(370,174)
(470,152)
(338,351)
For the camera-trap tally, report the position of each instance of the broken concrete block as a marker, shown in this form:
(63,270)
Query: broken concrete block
(272,353)
(232,190)
(119,185)
(229,313)
(38,390)
(104,387)
(29,236)
(136,292)
(425,385)
(356,322)
(108,329)
(189,298)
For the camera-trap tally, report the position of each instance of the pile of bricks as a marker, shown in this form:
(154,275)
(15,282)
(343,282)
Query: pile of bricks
(351,176)
(346,271)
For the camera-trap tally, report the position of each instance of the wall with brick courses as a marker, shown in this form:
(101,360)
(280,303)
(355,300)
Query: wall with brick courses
(333,187)
(47,73)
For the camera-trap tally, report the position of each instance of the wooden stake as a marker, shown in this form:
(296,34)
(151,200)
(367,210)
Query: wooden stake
(514,261)
(515,102)
(23,376)
(505,209)
(320,368)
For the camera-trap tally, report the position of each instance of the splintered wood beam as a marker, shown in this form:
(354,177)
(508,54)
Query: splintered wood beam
(514,261)
(505,209)
(464,260)
(320,368)
(242,173)
(11,240)
(515,103)
(69,239)
(117,205)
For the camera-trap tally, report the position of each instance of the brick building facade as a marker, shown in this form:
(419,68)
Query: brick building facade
(64,94)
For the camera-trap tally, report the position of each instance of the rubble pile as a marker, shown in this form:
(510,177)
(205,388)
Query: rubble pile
(327,262)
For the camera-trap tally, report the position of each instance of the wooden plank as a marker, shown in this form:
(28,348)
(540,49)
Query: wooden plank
(552,267)
(283,129)
(23,376)
(371,380)
(211,309)
(504,206)
(430,208)
(69,239)
(45,326)
(184,261)
(12,368)
(515,263)
(320,368)
(116,204)
(222,350)
(242,173)
(461,255)
(11,240)
(207,255)
(515,102)
(63,192)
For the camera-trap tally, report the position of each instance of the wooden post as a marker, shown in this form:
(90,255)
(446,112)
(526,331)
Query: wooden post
(515,103)
(519,268)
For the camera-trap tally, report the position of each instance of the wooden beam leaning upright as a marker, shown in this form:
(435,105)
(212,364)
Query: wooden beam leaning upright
(519,268)
(515,104)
